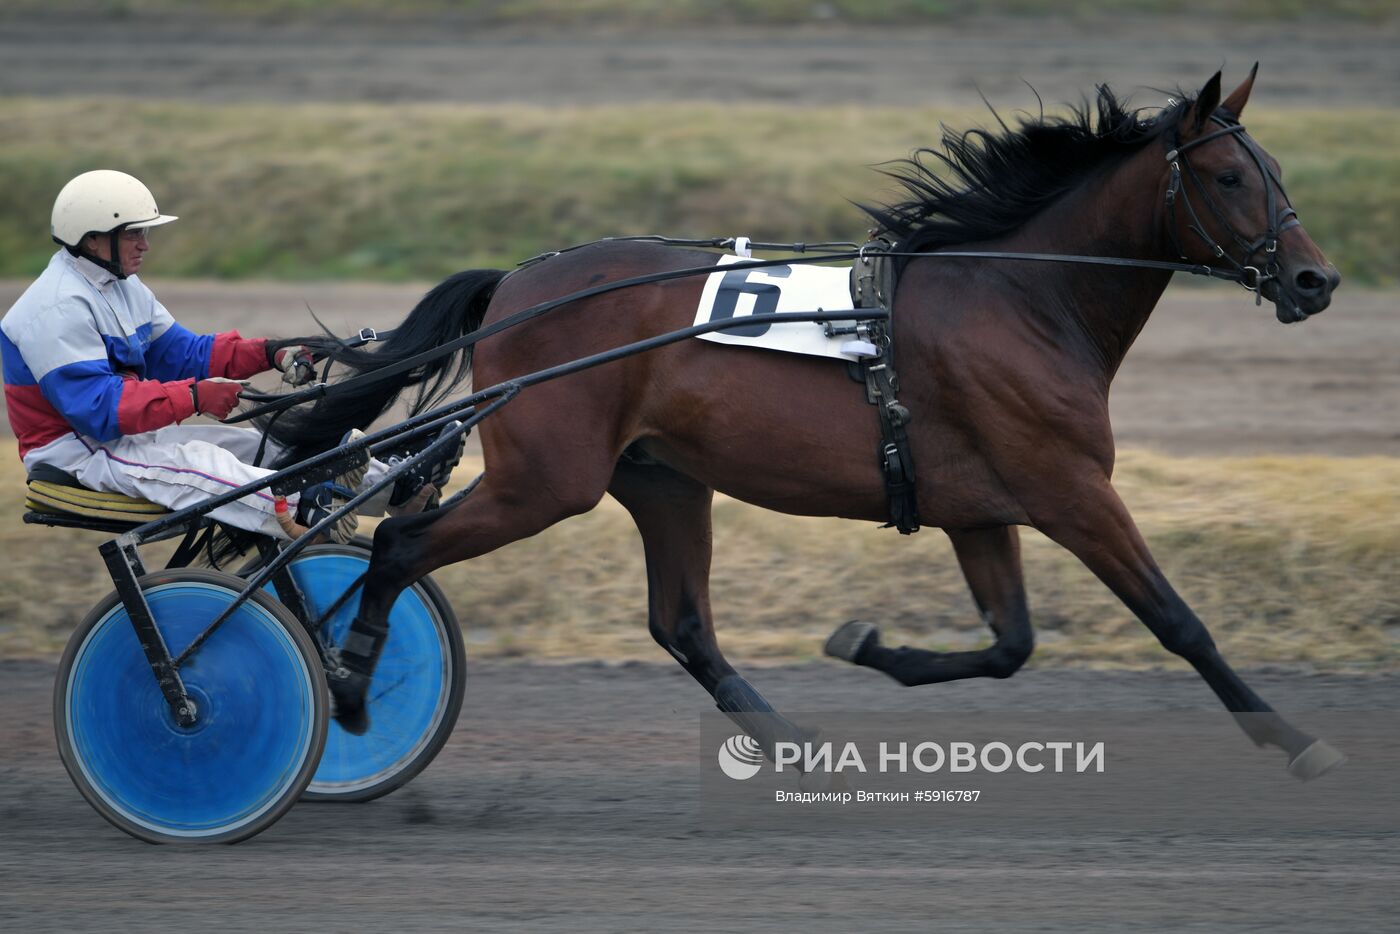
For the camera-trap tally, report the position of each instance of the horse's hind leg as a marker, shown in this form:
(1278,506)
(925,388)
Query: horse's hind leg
(991,562)
(498,512)
(672,512)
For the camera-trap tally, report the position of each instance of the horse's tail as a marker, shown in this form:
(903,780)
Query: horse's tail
(452,308)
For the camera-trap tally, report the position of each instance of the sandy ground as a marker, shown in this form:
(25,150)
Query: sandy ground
(1210,374)
(568,800)
(1309,63)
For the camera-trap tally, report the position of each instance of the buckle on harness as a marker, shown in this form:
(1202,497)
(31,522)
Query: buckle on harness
(368,335)
(893,464)
(899,415)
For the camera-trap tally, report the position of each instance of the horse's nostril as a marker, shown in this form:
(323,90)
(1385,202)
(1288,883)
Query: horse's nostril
(1310,280)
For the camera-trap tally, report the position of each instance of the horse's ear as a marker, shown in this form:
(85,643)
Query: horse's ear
(1240,95)
(1198,114)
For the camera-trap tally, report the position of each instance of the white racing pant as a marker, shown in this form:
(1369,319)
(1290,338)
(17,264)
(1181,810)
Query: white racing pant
(181,466)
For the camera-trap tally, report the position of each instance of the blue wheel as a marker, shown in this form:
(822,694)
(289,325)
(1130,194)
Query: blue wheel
(418,684)
(259,692)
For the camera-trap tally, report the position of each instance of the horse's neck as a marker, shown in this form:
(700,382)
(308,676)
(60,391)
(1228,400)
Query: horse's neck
(1106,307)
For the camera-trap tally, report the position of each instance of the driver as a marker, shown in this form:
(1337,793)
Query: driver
(99,377)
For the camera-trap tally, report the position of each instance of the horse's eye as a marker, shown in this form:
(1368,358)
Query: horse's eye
(1229,180)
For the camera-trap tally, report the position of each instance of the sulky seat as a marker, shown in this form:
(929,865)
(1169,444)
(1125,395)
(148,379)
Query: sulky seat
(55,498)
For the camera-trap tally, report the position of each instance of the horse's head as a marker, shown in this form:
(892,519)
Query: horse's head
(1226,207)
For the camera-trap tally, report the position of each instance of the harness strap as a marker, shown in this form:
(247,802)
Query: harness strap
(896,458)
(872,287)
(868,286)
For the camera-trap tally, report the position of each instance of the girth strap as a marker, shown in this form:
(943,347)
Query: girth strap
(872,286)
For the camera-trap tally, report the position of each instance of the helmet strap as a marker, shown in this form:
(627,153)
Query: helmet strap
(114,265)
(114,248)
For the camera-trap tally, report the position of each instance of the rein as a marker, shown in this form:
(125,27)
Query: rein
(1252,278)
(274,402)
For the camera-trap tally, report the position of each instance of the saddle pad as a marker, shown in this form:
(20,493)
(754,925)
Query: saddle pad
(75,501)
(737,292)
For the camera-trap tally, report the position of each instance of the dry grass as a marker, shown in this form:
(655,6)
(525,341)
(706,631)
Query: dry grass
(1289,560)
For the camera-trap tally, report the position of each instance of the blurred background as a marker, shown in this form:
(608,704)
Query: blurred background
(345,154)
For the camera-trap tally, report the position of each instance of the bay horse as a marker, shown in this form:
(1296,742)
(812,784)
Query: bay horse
(1005,367)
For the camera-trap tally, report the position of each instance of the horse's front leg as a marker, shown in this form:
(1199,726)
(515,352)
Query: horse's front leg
(1093,524)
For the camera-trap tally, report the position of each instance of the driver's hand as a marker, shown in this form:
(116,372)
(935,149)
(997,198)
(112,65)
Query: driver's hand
(216,396)
(296,363)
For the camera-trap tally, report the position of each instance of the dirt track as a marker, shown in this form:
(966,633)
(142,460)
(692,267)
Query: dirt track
(567,800)
(1304,63)
(1211,374)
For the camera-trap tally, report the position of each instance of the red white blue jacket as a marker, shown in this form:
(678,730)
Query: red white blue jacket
(87,353)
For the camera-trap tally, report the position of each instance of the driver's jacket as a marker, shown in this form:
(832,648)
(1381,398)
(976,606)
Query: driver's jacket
(89,354)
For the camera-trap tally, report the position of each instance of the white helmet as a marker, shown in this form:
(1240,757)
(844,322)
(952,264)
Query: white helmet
(100,201)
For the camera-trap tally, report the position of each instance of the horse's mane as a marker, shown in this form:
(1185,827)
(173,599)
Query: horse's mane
(982,184)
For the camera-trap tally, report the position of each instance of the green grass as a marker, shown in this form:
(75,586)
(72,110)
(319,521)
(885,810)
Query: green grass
(1291,560)
(399,192)
(653,13)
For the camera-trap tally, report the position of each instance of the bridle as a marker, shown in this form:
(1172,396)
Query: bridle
(1252,277)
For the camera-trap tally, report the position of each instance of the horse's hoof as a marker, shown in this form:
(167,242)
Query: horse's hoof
(354,721)
(850,639)
(1318,759)
(348,702)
